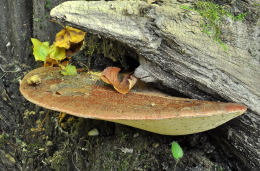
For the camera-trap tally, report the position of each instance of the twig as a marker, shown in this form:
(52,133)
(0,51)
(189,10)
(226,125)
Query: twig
(174,169)
(3,75)
(46,116)
(73,162)
(57,23)
(17,69)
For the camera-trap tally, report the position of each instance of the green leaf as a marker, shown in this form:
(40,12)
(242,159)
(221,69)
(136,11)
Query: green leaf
(176,150)
(40,49)
(69,70)
(57,53)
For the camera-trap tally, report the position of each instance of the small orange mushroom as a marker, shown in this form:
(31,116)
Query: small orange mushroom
(85,95)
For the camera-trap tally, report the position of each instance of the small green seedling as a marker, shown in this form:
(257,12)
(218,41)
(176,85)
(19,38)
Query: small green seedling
(176,152)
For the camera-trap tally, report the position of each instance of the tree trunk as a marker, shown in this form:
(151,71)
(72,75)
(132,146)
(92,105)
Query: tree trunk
(15,33)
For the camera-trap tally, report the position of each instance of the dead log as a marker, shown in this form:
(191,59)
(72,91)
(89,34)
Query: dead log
(176,52)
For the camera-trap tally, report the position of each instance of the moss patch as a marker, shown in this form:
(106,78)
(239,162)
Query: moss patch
(212,18)
(110,52)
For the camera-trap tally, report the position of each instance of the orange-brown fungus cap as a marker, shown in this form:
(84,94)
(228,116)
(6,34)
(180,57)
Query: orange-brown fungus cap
(85,95)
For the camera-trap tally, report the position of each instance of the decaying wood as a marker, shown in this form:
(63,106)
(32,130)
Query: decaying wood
(175,52)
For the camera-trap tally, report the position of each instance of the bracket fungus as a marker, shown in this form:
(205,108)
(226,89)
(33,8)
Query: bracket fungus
(85,95)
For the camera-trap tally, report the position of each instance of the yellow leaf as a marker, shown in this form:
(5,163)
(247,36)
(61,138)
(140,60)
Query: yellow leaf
(57,53)
(67,36)
(40,49)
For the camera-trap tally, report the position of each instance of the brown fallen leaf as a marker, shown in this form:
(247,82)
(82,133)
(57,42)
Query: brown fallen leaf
(74,48)
(50,62)
(53,63)
(110,76)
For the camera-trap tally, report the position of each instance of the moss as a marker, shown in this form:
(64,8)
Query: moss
(125,165)
(37,20)
(59,160)
(48,4)
(112,50)
(212,18)
(91,44)
(121,161)
(10,158)
(3,138)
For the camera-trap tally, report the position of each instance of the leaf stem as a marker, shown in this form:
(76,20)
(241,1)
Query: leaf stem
(174,168)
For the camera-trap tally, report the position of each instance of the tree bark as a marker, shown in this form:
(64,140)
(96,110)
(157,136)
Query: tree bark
(15,33)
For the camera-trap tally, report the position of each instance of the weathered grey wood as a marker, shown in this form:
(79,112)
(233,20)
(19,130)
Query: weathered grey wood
(241,136)
(174,51)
